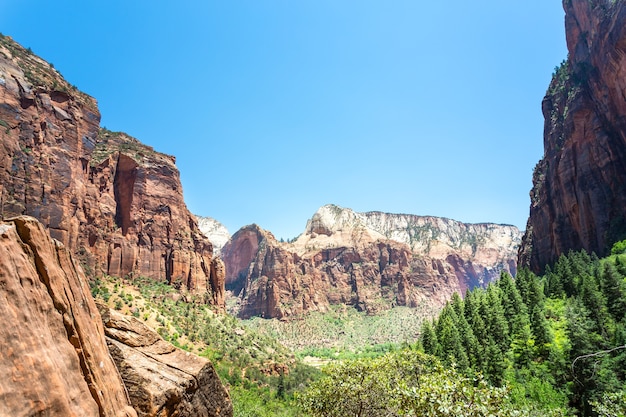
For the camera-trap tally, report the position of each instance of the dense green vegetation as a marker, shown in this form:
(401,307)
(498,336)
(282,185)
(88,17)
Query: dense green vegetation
(406,383)
(558,342)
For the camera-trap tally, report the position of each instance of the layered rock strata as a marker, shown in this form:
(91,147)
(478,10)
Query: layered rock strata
(104,195)
(372,261)
(578,200)
(161,379)
(55,361)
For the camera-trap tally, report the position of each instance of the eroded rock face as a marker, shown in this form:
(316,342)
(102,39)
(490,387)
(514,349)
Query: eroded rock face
(161,379)
(104,195)
(55,361)
(578,198)
(372,261)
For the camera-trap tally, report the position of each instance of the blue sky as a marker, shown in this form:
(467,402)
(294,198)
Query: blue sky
(276,107)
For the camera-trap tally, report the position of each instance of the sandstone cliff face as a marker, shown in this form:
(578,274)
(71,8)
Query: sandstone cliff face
(55,360)
(578,198)
(104,195)
(161,379)
(372,261)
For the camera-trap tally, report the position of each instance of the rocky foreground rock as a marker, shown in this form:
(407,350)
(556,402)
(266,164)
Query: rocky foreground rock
(372,261)
(55,359)
(578,200)
(107,197)
(161,379)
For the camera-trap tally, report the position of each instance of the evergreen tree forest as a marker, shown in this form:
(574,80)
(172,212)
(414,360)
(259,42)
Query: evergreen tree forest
(557,341)
(551,345)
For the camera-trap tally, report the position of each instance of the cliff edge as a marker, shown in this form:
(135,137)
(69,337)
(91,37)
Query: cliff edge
(578,199)
(107,197)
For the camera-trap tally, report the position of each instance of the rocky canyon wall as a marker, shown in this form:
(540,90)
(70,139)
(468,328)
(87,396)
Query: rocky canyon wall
(56,359)
(107,197)
(372,261)
(578,200)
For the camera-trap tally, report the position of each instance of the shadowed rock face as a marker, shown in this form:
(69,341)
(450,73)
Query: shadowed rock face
(578,200)
(372,261)
(161,379)
(104,195)
(55,361)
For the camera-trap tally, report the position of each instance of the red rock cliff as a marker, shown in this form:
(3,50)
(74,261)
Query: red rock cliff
(372,261)
(106,196)
(578,200)
(55,360)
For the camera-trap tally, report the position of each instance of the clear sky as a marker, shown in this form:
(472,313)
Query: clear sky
(274,108)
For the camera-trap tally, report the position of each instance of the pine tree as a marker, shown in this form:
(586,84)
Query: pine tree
(565,275)
(514,308)
(428,338)
(451,349)
(612,286)
(468,340)
(595,303)
(497,325)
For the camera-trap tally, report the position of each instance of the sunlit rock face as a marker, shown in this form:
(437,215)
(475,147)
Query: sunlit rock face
(107,197)
(215,231)
(578,200)
(372,261)
(55,360)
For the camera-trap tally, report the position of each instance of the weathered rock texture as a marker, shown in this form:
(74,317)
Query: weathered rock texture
(372,261)
(215,231)
(578,200)
(161,379)
(55,361)
(107,197)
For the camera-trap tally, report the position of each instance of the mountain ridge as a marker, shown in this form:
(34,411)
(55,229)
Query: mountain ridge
(340,259)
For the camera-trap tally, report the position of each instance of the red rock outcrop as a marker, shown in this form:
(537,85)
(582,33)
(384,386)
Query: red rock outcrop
(55,361)
(372,261)
(106,196)
(161,379)
(578,200)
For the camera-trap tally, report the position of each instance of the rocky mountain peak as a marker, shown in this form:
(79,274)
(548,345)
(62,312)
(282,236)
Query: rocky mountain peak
(215,231)
(334,226)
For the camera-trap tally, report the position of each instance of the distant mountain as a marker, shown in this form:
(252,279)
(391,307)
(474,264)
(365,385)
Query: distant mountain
(217,233)
(372,261)
(578,200)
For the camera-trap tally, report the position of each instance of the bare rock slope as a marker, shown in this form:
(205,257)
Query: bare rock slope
(372,261)
(578,200)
